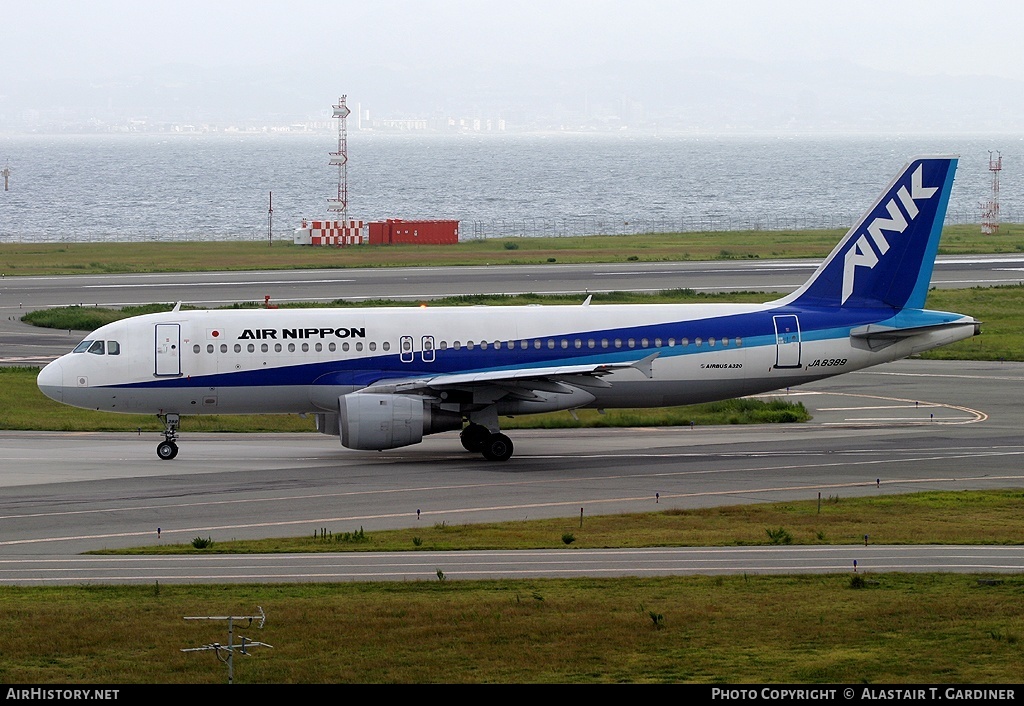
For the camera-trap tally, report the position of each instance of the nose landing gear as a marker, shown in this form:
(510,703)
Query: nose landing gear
(168,449)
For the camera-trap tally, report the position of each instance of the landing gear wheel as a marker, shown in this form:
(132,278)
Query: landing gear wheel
(474,437)
(167,450)
(498,447)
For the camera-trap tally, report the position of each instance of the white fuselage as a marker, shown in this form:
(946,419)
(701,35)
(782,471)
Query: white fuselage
(302,360)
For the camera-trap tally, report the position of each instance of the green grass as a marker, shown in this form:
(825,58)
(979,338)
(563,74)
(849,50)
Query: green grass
(103,258)
(894,629)
(848,628)
(1001,311)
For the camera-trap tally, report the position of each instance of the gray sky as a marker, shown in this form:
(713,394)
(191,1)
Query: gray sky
(51,42)
(48,37)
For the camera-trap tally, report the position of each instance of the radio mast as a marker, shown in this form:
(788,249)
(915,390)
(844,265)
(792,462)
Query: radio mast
(990,209)
(340,159)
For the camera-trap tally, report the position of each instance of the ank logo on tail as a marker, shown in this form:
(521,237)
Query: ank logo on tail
(862,254)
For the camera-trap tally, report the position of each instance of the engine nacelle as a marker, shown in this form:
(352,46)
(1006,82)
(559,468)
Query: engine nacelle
(372,422)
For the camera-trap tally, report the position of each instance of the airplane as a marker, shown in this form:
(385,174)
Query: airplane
(383,378)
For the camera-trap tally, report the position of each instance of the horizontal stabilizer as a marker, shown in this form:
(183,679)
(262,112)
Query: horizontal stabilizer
(892,333)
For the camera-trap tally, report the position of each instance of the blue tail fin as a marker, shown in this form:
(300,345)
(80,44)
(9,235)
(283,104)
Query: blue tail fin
(886,259)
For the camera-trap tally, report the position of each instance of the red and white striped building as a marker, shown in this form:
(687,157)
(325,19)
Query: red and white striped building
(337,233)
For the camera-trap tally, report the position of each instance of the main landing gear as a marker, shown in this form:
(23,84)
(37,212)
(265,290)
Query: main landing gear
(479,439)
(168,449)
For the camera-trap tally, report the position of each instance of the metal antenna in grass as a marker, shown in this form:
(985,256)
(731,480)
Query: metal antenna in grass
(226,653)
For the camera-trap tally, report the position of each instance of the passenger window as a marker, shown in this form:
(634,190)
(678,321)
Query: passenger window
(386,346)
(195,349)
(97,348)
(113,348)
(238,348)
(223,348)
(319,347)
(209,348)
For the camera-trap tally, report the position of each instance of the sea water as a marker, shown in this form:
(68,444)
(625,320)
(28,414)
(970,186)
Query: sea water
(221,186)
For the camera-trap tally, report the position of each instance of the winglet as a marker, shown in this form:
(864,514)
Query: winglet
(646,365)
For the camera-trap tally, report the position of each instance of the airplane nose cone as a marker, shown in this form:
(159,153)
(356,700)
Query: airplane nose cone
(51,381)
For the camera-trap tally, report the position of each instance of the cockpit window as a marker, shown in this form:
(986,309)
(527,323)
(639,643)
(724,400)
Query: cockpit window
(82,347)
(113,348)
(96,347)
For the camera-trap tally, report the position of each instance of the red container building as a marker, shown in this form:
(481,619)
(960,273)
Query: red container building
(396,230)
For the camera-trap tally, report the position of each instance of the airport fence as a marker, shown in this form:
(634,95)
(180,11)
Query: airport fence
(534,227)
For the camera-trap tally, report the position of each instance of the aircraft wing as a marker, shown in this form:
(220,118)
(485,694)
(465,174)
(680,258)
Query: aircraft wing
(535,378)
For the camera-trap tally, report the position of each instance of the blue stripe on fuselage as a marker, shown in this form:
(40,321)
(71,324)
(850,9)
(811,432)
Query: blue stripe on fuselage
(754,328)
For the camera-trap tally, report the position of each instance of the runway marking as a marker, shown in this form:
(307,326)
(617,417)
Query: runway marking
(929,375)
(220,284)
(974,415)
(404,565)
(890,406)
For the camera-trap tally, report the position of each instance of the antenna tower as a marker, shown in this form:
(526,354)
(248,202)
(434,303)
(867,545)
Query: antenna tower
(340,159)
(990,209)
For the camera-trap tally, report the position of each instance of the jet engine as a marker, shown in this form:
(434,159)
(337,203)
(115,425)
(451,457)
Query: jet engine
(372,422)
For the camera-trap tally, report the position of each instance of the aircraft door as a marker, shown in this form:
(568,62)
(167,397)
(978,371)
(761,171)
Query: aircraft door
(405,352)
(168,350)
(427,350)
(787,341)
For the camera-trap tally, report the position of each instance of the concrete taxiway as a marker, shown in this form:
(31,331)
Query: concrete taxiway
(903,427)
